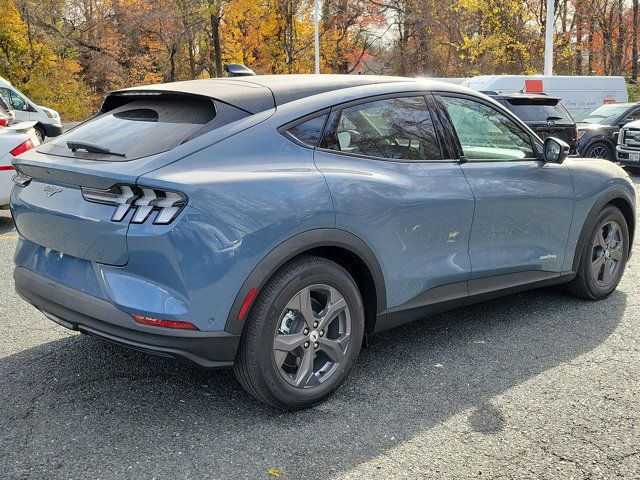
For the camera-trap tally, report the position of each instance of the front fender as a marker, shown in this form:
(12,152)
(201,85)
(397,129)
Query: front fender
(596,183)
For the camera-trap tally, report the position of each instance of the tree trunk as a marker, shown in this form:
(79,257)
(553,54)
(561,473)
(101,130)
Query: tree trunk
(578,20)
(634,46)
(618,68)
(590,62)
(216,54)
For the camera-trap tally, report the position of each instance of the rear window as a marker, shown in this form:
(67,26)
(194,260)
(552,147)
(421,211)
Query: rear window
(539,111)
(137,129)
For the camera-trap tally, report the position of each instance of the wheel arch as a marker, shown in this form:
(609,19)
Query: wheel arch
(340,246)
(617,197)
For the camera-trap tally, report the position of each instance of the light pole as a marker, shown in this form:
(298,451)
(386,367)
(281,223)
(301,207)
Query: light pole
(316,21)
(548,41)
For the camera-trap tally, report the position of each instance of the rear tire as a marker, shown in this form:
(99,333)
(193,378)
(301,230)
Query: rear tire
(303,335)
(603,257)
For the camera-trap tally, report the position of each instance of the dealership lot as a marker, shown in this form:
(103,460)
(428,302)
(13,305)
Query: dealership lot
(536,385)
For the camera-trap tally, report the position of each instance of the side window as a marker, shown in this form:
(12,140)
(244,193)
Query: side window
(395,128)
(4,93)
(485,133)
(308,132)
(632,116)
(16,101)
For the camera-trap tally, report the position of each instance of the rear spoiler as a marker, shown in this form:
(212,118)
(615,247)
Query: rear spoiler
(20,127)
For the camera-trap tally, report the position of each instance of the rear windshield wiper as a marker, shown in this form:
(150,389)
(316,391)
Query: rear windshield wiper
(91,148)
(552,117)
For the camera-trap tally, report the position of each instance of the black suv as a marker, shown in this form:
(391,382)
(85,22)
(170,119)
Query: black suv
(598,128)
(544,114)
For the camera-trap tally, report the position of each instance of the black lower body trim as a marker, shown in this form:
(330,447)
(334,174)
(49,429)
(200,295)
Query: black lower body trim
(454,295)
(85,313)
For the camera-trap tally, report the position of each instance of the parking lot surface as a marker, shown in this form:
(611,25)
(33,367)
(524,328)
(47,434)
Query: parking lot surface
(537,385)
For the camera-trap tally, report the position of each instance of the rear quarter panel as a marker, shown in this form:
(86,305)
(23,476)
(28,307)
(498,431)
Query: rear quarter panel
(258,182)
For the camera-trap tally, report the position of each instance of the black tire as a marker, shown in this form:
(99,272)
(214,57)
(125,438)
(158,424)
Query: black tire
(600,150)
(272,319)
(587,283)
(40,133)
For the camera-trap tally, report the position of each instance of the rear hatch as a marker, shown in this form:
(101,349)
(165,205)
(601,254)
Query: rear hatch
(77,193)
(546,116)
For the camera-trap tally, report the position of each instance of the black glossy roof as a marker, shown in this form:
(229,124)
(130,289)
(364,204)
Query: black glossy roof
(262,92)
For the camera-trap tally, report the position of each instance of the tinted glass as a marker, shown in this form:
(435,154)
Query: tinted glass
(309,132)
(631,117)
(539,112)
(138,129)
(15,100)
(396,128)
(486,133)
(4,106)
(603,115)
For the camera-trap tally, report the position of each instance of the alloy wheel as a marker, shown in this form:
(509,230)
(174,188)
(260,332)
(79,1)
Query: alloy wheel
(312,336)
(599,151)
(607,252)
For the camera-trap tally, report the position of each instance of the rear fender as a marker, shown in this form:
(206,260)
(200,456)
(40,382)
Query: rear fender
(297,245)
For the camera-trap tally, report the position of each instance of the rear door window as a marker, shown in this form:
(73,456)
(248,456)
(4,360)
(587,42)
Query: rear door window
(137,129)
(394,128)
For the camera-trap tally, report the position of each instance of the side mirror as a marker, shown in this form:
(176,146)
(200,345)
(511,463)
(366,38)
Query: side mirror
(555,150)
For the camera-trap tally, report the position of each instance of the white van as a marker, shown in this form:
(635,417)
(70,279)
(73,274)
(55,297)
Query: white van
(577,93)
(48,120)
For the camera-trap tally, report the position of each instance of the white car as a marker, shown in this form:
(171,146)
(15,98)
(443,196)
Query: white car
(14,140)
(47,122)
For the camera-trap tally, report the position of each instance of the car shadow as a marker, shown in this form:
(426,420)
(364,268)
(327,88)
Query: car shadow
(6,222)
(79,404)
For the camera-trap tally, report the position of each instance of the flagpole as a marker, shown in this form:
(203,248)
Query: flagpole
(548,42)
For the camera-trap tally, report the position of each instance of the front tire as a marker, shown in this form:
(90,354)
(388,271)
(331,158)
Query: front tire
(600,150)
(303,335)
(604,256)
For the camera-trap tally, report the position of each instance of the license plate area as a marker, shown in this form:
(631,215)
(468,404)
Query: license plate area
(634,157)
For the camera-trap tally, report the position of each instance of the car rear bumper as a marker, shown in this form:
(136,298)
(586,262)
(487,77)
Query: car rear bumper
(80,311)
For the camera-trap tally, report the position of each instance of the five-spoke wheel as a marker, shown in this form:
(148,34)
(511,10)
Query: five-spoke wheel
(312,336)
(303,336)
(607,253)
(604,255)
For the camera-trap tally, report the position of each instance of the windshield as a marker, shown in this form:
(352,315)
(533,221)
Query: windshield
(603,115)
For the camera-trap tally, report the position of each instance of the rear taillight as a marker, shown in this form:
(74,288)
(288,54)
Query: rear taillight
(145,201)
(157,322)
(4,121)
(23,147)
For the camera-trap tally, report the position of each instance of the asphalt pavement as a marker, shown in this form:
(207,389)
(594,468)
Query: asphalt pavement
(538,385)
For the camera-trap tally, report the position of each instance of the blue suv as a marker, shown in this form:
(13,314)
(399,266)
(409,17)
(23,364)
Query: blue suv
(271,223)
